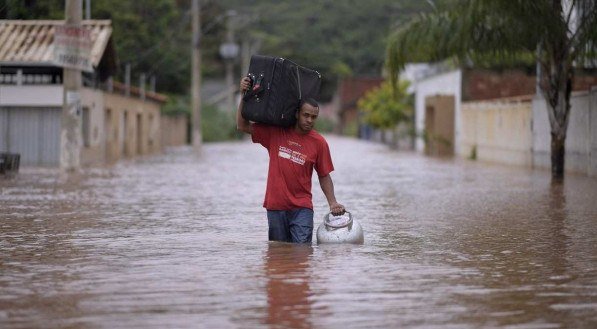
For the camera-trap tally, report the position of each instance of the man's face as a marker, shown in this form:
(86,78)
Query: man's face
(306,117)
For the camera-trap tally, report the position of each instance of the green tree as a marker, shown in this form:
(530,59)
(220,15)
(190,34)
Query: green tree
(334,37)
(557,34)
(19,9)
(153,36)
(385,107)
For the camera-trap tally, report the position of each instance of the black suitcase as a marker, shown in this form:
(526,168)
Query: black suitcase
(278,87)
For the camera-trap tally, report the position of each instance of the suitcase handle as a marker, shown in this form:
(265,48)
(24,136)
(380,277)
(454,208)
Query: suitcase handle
(253,92)
(256,87)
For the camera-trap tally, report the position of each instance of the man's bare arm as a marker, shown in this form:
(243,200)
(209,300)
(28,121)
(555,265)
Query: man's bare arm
(327,186)
(243,124)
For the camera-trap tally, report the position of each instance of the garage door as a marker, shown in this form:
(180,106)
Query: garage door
(32,132)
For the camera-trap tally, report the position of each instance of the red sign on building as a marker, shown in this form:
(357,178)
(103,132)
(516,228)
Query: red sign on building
(72,47)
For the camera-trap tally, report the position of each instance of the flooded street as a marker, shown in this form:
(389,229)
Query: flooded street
(180,241)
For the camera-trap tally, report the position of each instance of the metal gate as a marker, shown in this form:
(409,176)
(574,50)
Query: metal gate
(32,132)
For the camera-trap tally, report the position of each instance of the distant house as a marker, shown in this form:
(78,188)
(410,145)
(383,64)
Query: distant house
(496,116)
(117,120)
(348,92)
(438,99)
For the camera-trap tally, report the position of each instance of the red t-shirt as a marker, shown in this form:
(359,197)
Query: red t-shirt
(292,157)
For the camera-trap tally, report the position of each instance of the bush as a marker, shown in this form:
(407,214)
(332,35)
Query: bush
(176,105)
(218,125)
(324,125)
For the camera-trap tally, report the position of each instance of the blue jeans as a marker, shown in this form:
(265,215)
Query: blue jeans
(291,225)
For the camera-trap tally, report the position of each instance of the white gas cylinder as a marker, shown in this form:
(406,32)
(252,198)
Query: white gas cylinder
(340,229)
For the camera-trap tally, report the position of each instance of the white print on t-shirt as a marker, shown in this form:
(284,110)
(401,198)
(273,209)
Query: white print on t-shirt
(294,156)
(284,152)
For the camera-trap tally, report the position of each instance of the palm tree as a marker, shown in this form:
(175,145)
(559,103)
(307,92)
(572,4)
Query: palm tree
(558,34)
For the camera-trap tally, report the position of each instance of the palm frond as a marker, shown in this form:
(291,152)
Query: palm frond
(499,31)
(584,39)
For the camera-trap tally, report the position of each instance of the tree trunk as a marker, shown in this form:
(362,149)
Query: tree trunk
(556,58)
(556,85)
(558,107)
(558,156)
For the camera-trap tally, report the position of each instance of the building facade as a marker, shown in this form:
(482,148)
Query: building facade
(497,117)
(117,121)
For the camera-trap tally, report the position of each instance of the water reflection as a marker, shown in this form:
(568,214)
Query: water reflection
(559,240)
(515,262)
(287,273)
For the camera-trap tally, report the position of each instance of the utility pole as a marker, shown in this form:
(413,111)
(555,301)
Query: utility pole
(70,131)
(229,51)
(127,80)
(196,138)
(87,9)
(245,50)
(230,63)
(152,83)
(142,86)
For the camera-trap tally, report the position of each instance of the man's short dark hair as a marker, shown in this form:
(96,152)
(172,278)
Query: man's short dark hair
(310,101)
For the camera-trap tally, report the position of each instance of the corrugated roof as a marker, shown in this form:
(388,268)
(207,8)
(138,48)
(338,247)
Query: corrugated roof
(30,41)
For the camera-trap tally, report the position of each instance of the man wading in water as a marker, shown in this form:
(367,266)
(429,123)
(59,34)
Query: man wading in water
(293,153)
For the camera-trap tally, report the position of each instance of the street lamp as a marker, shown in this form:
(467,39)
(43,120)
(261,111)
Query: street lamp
(229,51)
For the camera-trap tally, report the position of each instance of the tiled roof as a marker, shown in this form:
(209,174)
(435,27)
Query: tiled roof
(30,41)
(121,87)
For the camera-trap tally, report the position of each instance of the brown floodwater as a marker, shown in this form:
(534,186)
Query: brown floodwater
(179,240)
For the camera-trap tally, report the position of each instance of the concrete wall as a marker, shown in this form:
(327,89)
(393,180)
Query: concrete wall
(31,95)
(92,120)
(499,131)
(174,130)
(581,138)
(132,127)
(510,130)
(447,84)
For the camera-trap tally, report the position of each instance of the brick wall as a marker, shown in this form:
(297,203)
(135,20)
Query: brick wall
(481,84)
(349,92)
(484,84)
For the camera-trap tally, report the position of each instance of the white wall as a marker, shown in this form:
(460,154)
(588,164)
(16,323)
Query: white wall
(581,137)
(449,83)
(33,95)
(499,130)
